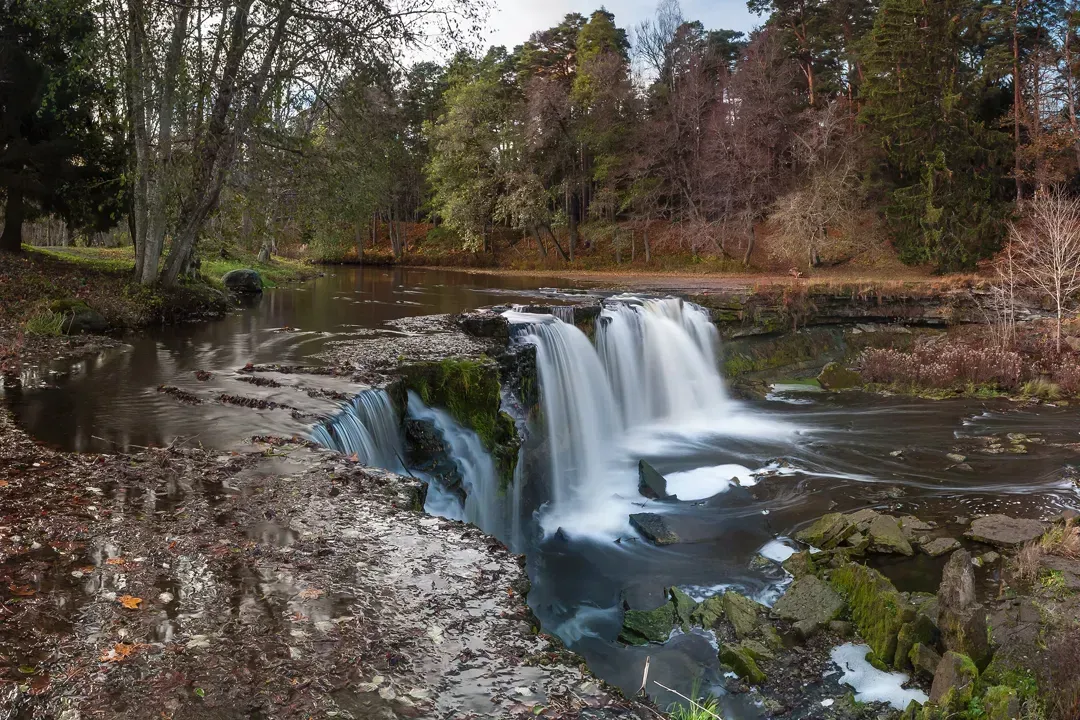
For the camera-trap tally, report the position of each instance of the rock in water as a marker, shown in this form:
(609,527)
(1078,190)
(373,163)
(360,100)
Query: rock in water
(827,532)
(651,483)
(887,537)
(741,661)
(837,377)
(961,620)
(708,613)
(684,607)
(654,528)
(743,613)
(1005,531)
(940,546)
(243,281)
(641,627)
(809,601)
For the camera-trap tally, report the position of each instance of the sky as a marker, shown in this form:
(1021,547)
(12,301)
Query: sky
(512,21)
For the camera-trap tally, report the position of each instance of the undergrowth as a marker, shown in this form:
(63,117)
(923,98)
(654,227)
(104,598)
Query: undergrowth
(45,323)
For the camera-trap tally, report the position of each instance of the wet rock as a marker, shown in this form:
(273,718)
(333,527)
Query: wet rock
(887,537)
(809,602)
(827,532)
(940,546)
(843,628)
(742,663)
(990,558)
(954,682)
(245,281)
(920,631)
(708,613)
(485,324)
(800,564)
(743,613)
(654,528)
(961,620)
(641,627)
(858,542)
(924,659)
(877,608)
(913,526)
(651,483)
(861,519)
(835,376)
(957,589)
(956,458)
(684,607)
(1005,531)
(79,318)
(1001,703)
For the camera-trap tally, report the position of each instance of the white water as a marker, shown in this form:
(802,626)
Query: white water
(651,382)
(367,428)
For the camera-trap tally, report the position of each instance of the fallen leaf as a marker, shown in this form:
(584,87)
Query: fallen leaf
(131,603)
(4,483)
(87,569)
(311,594)
(115,561)
(200,692)
(22,590)
(118,652)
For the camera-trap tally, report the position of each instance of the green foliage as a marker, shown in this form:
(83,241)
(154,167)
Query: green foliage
(1042,389)
(704,707)
(45,322)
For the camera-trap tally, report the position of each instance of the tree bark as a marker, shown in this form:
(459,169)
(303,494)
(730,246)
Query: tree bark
(557,245)
(14,213)
(645,239)
(1017,100)
(539,242)
(1070,83)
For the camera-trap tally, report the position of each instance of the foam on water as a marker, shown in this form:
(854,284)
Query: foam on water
(871,684)
(705,482)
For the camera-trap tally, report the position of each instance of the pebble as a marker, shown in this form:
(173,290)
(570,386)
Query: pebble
(165,597)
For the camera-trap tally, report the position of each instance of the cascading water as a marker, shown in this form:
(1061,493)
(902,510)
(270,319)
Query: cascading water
(368,427)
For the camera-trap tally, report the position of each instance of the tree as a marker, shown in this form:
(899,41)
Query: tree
(1047,249)
(56,153)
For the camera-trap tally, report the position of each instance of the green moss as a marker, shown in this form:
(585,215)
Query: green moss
(877,608)
(741,660)
(469,390)
(640,627)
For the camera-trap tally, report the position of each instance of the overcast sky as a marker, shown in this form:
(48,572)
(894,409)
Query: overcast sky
(512,21)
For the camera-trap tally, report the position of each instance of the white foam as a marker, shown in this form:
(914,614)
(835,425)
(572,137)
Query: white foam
(776,551)
(871,684)
(705,482)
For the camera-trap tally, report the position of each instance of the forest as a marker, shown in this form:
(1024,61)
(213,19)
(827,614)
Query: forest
(835,129)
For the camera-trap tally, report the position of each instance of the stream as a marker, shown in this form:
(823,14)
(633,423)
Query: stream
(747,473)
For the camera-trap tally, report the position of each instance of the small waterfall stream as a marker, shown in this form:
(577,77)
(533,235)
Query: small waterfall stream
(368,428)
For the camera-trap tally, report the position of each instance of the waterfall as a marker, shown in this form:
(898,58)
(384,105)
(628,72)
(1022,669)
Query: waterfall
(367,427)
(483,501)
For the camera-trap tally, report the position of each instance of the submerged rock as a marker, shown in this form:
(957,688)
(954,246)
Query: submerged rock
(651,483)
(836,377)
(940,546)
(810,603)
(243,281)
(1005,531)
(654,528)
(641,627)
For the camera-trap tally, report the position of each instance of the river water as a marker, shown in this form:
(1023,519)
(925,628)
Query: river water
(644,390)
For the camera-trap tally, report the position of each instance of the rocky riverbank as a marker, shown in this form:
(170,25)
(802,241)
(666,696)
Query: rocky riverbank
(276,582)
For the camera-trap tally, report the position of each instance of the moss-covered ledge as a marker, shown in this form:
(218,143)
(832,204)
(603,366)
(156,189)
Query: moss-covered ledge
(470,390)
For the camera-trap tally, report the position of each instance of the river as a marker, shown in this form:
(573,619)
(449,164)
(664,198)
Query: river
(797,454)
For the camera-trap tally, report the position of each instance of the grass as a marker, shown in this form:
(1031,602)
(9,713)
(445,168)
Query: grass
(705,707)
(45,323)
(1042,389)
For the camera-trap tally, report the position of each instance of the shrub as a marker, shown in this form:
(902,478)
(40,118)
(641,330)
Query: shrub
(45,322)
(1064,685)
(1027,562)
(936,365)
(1042,389)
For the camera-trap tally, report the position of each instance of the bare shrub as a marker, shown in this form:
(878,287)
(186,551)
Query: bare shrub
(1062,540)
(936,365)
(1028,561)
(1064,685)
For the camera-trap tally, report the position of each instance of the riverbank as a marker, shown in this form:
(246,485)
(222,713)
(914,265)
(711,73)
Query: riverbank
(278,581)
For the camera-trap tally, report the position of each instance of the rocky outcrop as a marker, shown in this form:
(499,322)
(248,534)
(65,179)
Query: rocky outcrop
(1005,531)
(836,377)
(651,483)
(654,528)
(809,604)
(245,281)
(961,619)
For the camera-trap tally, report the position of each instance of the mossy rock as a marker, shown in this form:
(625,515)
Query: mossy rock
(836,377)
(886,536)
(79,317)
(708,613)
(800,564)
(641,627)
(877,608)
(954,682)
(741,661)
(1001,702)
(921,630)
(743,613)
(827,532)
(684,608)
(469,389)
(809,600)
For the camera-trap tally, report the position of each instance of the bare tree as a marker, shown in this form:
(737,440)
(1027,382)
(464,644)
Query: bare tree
(999,308)
(1048,249)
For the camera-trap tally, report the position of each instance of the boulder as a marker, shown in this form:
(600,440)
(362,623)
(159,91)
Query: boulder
(940,546)
(743,613)
(799,564)
(877,608)
(641,627)
(810,602)
(742,663)
(79,318)
(954,682)
(708,613)
(858,542)
(246,281)
(835,376)
(654,528)
(1001,703)
(485,324)
(924,659)
(861,519)
(651,483)
(684,607)
(827,532)
(920,631)
(887,537)
(957,589)
(1005,531)
(961,620)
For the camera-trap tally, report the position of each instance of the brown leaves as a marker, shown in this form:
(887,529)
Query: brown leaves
(119,652)
(4,483)
(115,561)
(129,601)
(311,594)
(21,590)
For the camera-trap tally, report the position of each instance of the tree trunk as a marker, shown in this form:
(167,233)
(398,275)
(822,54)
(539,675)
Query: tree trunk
(572,220)
(557,245)
(1017,100)
(14,212)
(539,242)
(749,245)
(1070,86)
(648,250)
(360,243)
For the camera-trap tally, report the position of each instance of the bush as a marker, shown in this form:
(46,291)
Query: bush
(940,366)
(1042,389)
(45,322)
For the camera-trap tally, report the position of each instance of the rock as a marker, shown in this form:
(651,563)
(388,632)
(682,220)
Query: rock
(809,600)
(79,318)
(940,546)
(835,376)
(913,526)
(956,458)
(924,659)
(827,532)
(1001,703)
(861,519)
(799,564)
(654,528)
(1005,531)
(842,628)
(244,281)
(957,589)
(651,483)
(708,613)
(743,614)
(887,537)
(742,663)
(758,650)
(920,631)
(990,558)
(684,607)
(772,638)
(485,324)
(641,627)
(961,620)
(877,608)
(858,542)
(954,682)
(1073,343)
